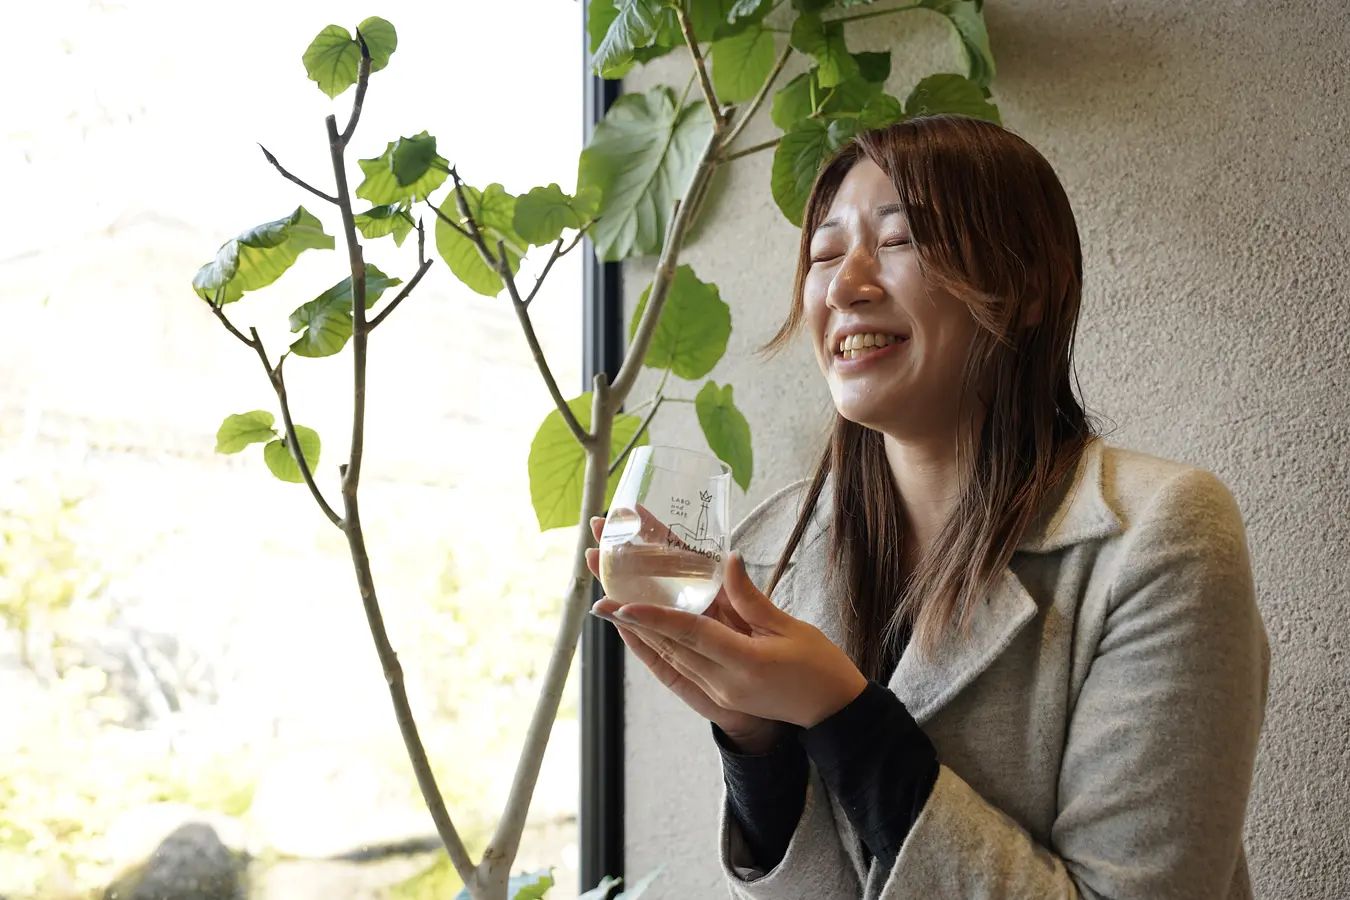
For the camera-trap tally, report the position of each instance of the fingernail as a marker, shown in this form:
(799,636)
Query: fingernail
(624,616)
(595,519)
(600,615)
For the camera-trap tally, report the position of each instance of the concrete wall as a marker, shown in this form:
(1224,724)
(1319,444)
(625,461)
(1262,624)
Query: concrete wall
(1206,148)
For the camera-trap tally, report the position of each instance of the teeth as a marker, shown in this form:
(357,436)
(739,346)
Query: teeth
(853,346)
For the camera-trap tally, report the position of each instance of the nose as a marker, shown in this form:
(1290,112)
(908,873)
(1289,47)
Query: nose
(855,281)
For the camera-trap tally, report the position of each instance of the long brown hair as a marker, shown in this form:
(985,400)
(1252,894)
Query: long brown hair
(991,224)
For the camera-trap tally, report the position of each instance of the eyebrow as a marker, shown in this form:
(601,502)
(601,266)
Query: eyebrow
(881,212)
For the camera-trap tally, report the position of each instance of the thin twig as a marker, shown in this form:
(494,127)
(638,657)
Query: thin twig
(701,67)
(526,325)
(766,145)
(858,17)
(362,81)
(447,220)
(559,251)
(292,440)
(224,320)
(422,268)
(758,100)
(356,541)
(637,435)
(289,177)
(475,233)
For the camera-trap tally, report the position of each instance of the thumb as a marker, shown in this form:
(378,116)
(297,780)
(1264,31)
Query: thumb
(747,600)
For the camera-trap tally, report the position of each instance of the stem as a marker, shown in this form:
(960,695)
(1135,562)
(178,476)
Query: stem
(766,145)
(701,68)
(423,267)
(475,233)
(505,842)
(292,441)
(637,435)
(523,316)
(356,541)
(289,177)
(447,220)
(559,251)
(758,100)
(858,17)
(362,80)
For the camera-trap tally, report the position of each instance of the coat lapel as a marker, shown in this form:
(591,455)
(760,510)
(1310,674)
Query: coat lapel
(1075,513)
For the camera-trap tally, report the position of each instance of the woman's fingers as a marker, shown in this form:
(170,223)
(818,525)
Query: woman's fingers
(597,526)
(593,561)
(679,683)
(705,637)
(722,610)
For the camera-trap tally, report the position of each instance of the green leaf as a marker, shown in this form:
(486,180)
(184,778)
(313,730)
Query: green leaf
(749,9)
(972,37)
(798,158)
(381,41)
(946,93)
(642,885)
(880,111)
(727,431)
(408,170)
(557,464)
(392,218)
(282,463)
(804,96)
(691,335)
(259,256)
(494,211)
(874,67)
(741,63)
(634,24)
(601,890)
(714,20)
(531,886)
(825,42)
(811,6)
(326,321)
(332,60)
(542,214)
(238,431)
(641,159)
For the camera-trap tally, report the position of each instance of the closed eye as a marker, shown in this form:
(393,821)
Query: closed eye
(897,242)
(825,257)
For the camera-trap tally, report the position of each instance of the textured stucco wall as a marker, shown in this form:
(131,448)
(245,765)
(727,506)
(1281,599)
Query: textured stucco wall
(1206,148)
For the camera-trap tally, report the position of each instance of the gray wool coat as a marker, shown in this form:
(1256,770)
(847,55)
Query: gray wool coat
(1096,731)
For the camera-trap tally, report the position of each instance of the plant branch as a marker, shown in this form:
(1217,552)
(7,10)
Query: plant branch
(424,265)
(292,441)
(637,435)
(506,839)
(526,325)
(475,233)
(559,251)
(229,326)
(362,81)
(447,220)
(858,17)
(766,145)
(701,67)
(289,177)
(356,541)
(758,100)
(665,273)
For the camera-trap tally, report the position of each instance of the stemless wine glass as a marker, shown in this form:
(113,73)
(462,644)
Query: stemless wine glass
(665,539)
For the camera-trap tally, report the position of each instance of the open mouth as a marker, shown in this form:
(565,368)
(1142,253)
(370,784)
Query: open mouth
(856,346)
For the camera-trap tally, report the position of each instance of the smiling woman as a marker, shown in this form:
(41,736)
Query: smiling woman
(1001,658)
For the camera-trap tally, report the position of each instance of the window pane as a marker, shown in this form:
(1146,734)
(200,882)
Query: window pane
(183,640)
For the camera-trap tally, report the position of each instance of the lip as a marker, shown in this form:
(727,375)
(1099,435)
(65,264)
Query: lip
(849,366)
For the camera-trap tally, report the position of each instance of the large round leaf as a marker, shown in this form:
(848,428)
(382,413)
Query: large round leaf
(557,464)
(543,213)
(332,60)
(641,159)
(825,42)
(691,335)
(381,41)
(392,218)
(325,322)
(741,63)
(259,256)
(954,94)
(972,37)
(408,170)
(238,431)
(727,431)
(629,25)
(798,158)
(283,464)
(494,211)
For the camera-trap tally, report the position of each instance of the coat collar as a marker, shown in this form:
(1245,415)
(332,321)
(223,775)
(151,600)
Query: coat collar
(1075,513)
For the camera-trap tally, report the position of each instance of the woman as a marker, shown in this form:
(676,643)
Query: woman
(1001,658)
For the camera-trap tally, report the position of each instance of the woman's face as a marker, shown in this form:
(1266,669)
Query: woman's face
(892,347)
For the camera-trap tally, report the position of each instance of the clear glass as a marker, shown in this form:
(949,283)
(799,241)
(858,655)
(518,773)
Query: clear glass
(665,540)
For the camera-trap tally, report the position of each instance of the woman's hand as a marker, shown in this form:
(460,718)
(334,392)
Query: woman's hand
(774,667)
(750,734)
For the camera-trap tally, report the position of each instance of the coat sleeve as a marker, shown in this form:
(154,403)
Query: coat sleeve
(1161,741)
